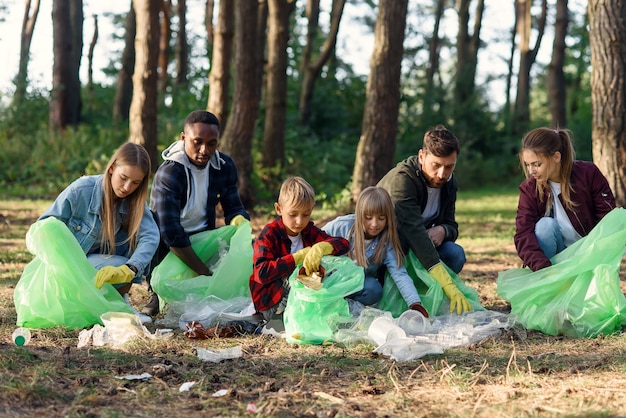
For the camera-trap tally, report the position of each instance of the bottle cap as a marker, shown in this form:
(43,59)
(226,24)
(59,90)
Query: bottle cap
(20,340)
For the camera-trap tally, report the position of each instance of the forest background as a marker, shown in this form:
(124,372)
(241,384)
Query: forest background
(289,104)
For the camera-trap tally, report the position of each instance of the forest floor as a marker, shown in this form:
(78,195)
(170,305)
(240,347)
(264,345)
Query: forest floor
(522,374)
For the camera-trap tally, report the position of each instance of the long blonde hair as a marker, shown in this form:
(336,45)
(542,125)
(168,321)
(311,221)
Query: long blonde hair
(546,142)
(129,154)
(374,201)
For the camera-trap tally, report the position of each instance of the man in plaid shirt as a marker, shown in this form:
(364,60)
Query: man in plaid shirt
(192,180)
(286,242)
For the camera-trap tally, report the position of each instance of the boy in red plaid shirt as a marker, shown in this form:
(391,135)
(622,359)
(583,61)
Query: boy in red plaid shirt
(286,242)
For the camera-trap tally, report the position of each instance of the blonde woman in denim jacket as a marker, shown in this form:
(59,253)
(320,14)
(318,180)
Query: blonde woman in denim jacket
(108,216)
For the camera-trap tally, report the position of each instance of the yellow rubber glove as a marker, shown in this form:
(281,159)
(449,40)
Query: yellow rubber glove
(113,275)
(298,256)
(238,220)
(457,300)
(312,259)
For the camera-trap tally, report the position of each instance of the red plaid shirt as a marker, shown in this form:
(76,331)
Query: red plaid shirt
(273,260)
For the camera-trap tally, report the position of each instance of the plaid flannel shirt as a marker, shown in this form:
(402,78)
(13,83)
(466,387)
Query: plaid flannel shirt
(274,262)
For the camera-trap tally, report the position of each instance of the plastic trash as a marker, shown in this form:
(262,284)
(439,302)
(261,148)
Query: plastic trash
(414,323)
(383,329)
(21,336)
(216,356)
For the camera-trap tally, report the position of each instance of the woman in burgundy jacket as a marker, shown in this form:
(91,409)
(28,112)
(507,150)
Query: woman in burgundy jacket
(545,226)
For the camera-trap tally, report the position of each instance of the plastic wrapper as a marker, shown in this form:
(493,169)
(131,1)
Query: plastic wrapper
(579,295)
(57,287)
(433,298)
(312,316)
(226,250)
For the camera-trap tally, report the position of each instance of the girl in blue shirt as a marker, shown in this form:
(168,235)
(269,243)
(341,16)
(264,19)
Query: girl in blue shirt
(374,242)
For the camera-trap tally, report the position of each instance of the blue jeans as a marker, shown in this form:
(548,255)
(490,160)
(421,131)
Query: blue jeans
(549,236)
(370,294)
(453,255)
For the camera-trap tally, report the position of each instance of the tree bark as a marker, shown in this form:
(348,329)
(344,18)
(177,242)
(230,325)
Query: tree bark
(67,44)
(607,37)
(219,76)
(182,49)
(208,23)
(239,131)
(528,56)
(276,93)
(311,70)
(124,85)
(143,107)
(377,145)
(467,53)
(164,45)
(556,75)
(433,62)
(92,47)
(28,27)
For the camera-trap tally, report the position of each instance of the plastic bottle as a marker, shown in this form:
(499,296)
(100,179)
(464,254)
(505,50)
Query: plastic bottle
(21,336)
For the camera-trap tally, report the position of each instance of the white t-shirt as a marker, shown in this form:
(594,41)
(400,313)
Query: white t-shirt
(296,243)
(568,232)
(193,217)
(432,206)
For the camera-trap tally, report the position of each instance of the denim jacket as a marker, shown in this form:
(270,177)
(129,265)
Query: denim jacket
(340,227)
(78,207)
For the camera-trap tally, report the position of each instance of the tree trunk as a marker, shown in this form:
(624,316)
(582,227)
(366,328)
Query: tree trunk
(467,46)
(219,77)
(28,27)
(239,131)
(182,49)
(164,45)
(311,71)
(377,145)
(607,36)
(556,75)
(528,56)
(208,23)
(92,47)
(433,62)
(143,107)
(124,85)
(67,44)
(276,90)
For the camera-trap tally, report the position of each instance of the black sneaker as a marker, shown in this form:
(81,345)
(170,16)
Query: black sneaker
(152,307)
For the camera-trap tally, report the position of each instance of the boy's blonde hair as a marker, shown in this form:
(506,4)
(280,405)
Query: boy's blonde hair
(297,192)
(375,201)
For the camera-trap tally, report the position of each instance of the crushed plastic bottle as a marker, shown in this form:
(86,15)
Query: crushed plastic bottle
(21,336)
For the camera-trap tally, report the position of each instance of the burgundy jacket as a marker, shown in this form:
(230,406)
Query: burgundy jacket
(593,199)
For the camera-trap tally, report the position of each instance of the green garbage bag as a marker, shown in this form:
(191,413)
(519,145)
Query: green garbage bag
(226,250)
(57,287)
(579,295)
(312,316)
(433,298)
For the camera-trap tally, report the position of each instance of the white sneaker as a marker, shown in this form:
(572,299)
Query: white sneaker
(145,319)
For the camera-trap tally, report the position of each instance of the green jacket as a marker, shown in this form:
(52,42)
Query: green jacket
(408,192)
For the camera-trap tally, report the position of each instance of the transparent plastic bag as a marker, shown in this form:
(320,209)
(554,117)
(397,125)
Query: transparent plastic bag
(579,295)
(228,252)
(312,316)
(433,298)
(57,287)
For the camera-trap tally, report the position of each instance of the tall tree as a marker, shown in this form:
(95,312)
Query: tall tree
(208,23)
(239,131)
(182,49)
(67,23)
(377,144)
(164,44)
(124,85)
(607,36)
(219,76)
(556,75)
(310,68)
(276,90)
(28,27)
(143,107)
(433,61)
(467,57)
(92,47)
(528,56)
